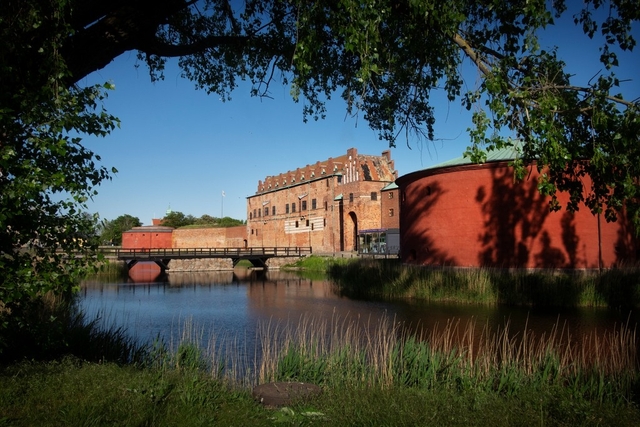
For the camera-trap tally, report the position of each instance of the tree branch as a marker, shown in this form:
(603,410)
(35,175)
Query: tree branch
(477,59)
(471,53)
(159,48)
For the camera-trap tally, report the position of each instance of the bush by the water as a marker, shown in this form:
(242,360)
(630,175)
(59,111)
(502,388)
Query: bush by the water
(370,278)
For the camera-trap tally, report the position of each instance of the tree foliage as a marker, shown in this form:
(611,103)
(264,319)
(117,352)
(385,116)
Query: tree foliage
(46,175)
(178,219)
(383,57)
(227,221)
(111,231)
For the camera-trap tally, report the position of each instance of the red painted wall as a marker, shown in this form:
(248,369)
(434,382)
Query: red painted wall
(150,237)
(475,215)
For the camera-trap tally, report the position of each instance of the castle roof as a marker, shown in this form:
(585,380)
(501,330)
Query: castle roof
(363,167)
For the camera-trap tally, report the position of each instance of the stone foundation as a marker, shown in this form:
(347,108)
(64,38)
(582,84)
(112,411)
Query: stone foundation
(200,264)
(209,264)
(276,263)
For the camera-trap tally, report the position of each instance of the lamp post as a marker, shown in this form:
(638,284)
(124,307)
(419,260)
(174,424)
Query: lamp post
(222,205)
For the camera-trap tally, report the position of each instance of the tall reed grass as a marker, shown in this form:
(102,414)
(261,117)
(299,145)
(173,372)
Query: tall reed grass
(366,278)
(109,271)
(345,353)
(55,327)
(353,353)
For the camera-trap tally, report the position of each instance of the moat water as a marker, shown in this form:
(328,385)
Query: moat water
(238,304)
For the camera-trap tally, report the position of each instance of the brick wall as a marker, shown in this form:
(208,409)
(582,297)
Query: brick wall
(389,212)
(476,215)
(148,237)
(322,205)
(225,237)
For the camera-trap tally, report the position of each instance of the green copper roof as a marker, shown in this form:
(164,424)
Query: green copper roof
(502,155)
(390,186)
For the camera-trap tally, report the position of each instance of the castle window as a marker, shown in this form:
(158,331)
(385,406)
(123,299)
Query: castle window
(374,195)
(266,211)
(391,212)
(391,194)
(350,197)
(273,210)
(250,215)
(304,205)
(259,213)
(286,208)
(293,207)
(307,223)
(339,179)
(313,204)
(325,205)
(296,224)
(312,226)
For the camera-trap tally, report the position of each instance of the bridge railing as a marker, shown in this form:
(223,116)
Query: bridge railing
(142,253)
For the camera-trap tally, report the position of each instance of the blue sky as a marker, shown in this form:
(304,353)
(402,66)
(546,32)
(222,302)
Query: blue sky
(181,148)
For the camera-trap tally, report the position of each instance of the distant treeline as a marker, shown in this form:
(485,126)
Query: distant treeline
(178,219)
(110,232)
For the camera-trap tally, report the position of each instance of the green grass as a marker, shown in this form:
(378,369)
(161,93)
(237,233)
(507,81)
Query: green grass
(456,377)
(465,358)
(244,263)
(71,393)
(364,278)
(311,263)
(370,374)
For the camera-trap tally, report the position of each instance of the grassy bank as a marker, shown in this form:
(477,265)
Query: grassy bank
(74,394)
(370,373)
(369,376)
(366,278)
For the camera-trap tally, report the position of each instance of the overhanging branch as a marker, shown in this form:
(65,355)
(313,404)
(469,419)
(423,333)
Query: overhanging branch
(485,70)
(471,53)
(157,47)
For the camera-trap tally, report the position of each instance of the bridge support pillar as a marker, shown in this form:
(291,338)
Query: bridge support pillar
(130,264)
(257,262)
(163,264)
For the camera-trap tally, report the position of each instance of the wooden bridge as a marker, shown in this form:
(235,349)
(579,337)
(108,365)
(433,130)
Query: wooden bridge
(257,256)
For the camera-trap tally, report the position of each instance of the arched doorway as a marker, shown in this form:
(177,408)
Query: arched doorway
(351,232)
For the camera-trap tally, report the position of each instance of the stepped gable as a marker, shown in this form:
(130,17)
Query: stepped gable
(377,168)
(369,168)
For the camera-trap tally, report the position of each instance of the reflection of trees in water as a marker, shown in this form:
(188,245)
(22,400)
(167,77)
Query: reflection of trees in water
(239,275)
